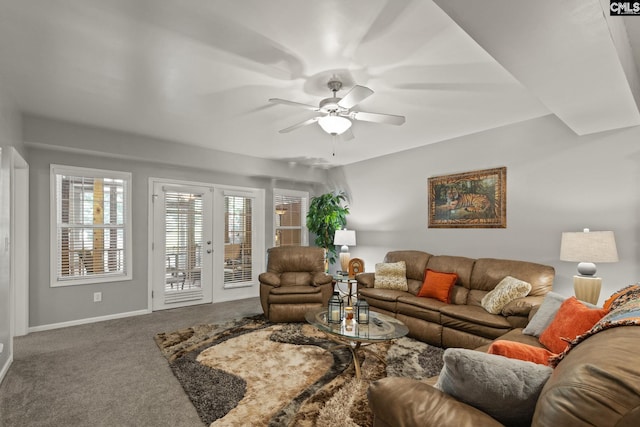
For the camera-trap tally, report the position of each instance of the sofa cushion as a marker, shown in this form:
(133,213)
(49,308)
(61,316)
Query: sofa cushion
(488,272)
(426,303)
(476,315)
(391,275)
(507,290)
(520,351)
(382,294)
(421,308)
(397,401)
(514,335)
(507,389)
(572,319)
(596,384)
(384,299)
(416,262)
(438,285)
(462,266)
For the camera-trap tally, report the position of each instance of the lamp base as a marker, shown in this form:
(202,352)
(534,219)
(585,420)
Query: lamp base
(344,262)
(587,288)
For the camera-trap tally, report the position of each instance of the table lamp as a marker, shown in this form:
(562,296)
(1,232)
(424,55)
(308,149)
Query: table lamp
(345,238)
(586,248)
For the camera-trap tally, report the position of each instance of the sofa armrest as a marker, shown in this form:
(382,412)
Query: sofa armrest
(321,278)
(271,279)
(521,306)
(365,280)
(405,402)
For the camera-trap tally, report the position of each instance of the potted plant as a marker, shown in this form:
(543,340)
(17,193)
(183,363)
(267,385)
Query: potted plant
(326,215)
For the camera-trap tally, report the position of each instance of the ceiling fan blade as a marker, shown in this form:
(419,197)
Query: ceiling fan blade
(388,119)
(355,96)
(299,125)
(294,104)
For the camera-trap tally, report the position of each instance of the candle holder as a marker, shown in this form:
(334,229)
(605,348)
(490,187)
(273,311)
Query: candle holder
(335,309)
(362,311)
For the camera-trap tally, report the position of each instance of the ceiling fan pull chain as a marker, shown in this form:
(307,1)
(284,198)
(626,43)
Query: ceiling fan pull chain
(333,141)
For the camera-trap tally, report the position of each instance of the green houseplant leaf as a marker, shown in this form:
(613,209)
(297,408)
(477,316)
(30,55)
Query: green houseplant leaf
(326,215)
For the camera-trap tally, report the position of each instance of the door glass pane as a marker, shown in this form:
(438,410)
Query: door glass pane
(183,242)
(238,238)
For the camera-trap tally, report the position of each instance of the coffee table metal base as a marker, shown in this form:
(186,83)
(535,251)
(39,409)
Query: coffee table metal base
(356,336)
(353,348)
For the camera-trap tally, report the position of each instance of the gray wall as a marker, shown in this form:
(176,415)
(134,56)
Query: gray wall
(55,142)
(556,181)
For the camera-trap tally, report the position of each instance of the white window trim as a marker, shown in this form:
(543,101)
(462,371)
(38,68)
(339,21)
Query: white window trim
(304,231)
(53,228)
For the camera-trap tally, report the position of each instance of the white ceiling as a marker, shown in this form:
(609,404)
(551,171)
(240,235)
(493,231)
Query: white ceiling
(201,71)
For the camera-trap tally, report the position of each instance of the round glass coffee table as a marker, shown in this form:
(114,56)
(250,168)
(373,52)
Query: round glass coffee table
(354,335)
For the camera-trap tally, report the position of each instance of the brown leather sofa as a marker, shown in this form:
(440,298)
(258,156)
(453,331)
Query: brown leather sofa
(463,323)
(597,385)
(295,281)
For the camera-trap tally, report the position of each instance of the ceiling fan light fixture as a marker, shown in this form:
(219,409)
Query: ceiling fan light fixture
(334,125)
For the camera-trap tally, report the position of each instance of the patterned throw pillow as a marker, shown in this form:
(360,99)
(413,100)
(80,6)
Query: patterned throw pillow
(391,275)
(506,291)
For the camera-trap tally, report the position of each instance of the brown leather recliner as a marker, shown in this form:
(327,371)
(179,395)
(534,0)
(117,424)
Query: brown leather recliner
(295,281)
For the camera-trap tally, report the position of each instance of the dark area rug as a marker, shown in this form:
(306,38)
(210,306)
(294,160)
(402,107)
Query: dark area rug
(255,373)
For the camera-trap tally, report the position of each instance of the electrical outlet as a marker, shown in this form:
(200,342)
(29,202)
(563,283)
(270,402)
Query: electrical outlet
(97,297)
(1,347)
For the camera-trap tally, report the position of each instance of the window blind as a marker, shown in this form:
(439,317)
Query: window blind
(91,228)
(290,218)
(238,238)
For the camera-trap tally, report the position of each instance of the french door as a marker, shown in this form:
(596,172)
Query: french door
(182,245)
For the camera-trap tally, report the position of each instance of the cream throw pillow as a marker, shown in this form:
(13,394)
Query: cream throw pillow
(391,275)
(506,291)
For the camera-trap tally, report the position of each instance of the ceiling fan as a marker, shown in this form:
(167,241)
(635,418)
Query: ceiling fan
(336,113)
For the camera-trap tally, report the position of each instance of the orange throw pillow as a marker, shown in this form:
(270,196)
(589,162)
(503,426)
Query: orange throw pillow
(572,319)
(438,285)
(521,351)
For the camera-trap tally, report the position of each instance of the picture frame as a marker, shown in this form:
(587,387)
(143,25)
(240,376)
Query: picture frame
(476,199)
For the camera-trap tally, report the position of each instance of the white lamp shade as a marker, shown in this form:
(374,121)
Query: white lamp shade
(588,246)
(334,124)
(345,237)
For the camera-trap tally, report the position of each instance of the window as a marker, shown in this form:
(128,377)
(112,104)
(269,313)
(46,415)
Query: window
(90,226)
(290,218)
(238,238)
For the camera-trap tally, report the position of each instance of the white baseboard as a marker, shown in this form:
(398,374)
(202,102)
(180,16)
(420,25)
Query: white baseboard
(85,321)
(5,368)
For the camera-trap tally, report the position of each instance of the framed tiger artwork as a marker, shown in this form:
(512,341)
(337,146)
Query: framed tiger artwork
(475,199)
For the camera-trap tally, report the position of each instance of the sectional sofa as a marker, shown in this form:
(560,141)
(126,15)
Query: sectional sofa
(463,322)
(596,383)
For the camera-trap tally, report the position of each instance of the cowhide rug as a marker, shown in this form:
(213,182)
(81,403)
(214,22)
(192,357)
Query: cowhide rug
(255,373)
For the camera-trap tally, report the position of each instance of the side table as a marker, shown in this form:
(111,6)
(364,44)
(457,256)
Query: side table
(350,282)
